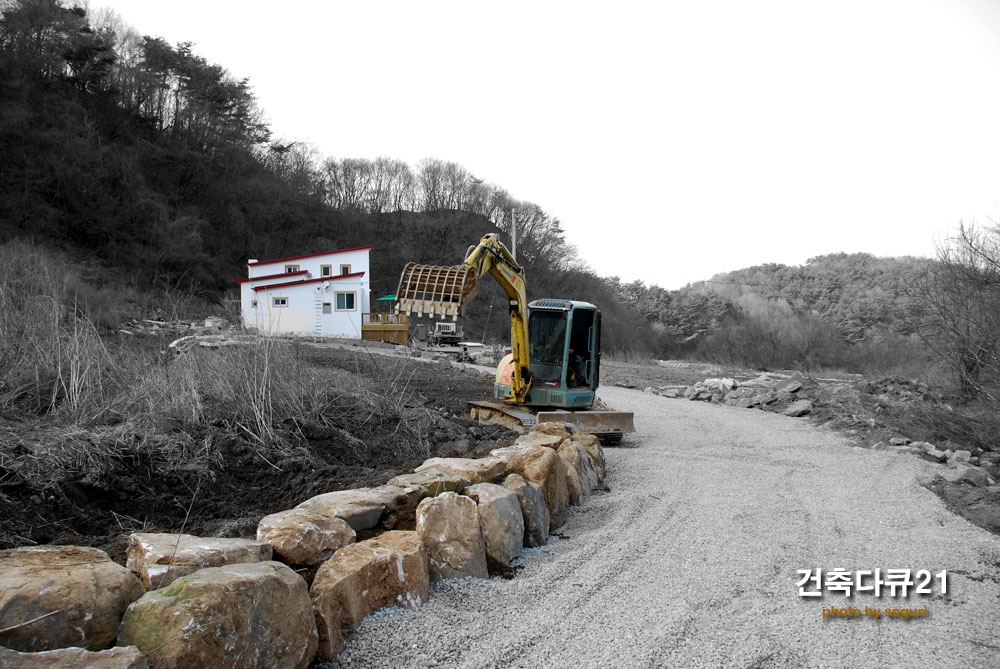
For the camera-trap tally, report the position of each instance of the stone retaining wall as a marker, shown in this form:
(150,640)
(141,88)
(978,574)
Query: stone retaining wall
(195,601)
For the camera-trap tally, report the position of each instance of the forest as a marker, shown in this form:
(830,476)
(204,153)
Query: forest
(152,175)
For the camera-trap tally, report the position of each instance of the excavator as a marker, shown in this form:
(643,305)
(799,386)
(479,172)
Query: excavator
(553,369)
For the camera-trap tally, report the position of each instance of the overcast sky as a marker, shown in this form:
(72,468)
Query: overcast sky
(673,139)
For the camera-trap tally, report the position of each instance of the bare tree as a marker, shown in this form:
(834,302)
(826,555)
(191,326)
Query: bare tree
(962,301)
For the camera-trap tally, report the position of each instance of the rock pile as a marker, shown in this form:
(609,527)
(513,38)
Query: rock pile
(798,396)
(794,396)
(899,389)
(191,601)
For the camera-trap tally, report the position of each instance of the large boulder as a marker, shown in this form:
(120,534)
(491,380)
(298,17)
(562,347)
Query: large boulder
(363,508)
(304,537)
(476,470)
(576,458)
(798,408)
(500,520)
(549,440)
(592,445)
(241,615)
(60,596)
(533,509)
(574,486)
(554,427)
(128,657)
(433,480)
(159,559)
(448,526)
(971,474)
(543,466)
(389,570)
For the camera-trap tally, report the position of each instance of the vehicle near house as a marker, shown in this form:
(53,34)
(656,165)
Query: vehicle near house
(323,294)
(445,334)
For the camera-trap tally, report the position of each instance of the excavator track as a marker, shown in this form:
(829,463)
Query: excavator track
(608,426)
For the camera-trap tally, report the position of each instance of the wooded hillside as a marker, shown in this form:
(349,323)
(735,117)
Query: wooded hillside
(144,157)
(156,170)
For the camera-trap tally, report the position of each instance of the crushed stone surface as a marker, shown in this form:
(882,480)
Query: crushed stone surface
(691,560)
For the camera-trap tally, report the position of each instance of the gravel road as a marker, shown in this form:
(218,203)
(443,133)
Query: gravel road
(690,560)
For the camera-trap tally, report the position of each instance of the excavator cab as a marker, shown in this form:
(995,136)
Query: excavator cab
(564,348)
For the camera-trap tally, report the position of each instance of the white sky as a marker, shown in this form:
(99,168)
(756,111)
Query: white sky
(673,139)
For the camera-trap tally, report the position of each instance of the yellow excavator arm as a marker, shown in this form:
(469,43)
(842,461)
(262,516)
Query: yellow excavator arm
(444,290)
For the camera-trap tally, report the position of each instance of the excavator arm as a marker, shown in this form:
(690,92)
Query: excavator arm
(444,290)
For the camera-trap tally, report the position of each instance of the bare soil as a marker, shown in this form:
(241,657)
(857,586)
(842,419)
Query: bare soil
(229,487)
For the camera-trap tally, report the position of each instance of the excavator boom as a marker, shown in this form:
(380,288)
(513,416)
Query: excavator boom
(437,290)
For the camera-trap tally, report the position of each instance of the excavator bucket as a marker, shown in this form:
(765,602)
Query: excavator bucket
(435,290)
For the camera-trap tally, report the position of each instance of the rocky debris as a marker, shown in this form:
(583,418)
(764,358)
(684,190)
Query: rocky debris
(533,510)
(939,455)
(241,615)
(543,466)
(388,570)
(448,526)
(798,408)
(898,389)
(127,657)
(60,596)
(961,456)
(479,470)
(976,476)
(434,480)
(500,521)
(303,537)
(158,559)
(363,508)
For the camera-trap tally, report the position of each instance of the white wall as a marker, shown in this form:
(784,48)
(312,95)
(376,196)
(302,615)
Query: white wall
(303,313)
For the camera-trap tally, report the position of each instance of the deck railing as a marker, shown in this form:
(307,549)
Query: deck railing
(387,327)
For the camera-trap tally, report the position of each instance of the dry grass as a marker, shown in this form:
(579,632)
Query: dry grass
(73,403)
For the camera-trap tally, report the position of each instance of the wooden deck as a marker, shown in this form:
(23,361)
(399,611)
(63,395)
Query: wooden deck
(391,328)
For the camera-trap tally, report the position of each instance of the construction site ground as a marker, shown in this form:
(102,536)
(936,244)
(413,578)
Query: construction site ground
(227,492)
(711,509)
(691,558)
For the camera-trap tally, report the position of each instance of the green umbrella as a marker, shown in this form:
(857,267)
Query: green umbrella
(387,297)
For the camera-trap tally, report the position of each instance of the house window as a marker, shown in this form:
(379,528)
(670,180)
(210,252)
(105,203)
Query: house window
(279,301)
(253,304)
(345,301)
(327,308)
(345,269)
(326,270)
(291,268)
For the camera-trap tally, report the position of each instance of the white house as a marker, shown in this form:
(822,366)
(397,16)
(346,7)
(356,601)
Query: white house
(319,294)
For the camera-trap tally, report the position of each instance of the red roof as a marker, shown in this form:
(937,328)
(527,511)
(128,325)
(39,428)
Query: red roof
(271,276)
(308,255)
(299,283)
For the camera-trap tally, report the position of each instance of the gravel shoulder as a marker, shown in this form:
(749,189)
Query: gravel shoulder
(690,560)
